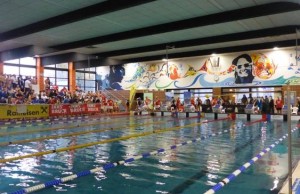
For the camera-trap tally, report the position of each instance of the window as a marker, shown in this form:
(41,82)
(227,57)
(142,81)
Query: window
(86,79)
(28,71)
(62,74)
(24,67)
(62,65)
(58,74)
(14,61)
(49,73)
(28,61)
(7,69)
(257,92)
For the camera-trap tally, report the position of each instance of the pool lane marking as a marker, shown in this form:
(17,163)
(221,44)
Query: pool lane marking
(42,120)
(80,146)
(192,180)
(61,118)
(237,172)
(60,128)
(54,121)
(72,127)
(109,166)
(74,134)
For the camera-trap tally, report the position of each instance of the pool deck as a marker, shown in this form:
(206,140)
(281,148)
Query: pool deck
(296,182)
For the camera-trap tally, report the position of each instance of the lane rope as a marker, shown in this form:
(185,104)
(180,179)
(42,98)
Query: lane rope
(72,134)
(80,146)
(69,127)
(109,166)
(70,117)
(41,120)
(241,169)
(61,127)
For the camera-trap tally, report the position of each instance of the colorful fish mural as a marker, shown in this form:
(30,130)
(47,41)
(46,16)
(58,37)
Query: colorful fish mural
(264,68)
(258,68)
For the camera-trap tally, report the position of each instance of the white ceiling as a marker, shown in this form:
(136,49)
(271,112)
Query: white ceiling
(19,13)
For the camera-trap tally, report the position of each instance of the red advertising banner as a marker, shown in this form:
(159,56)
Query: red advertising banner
(76,109)
(93,108)
(73,109)
(59,109)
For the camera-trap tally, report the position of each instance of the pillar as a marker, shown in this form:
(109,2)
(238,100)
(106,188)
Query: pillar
(1,67)
(40,74)
(72,77)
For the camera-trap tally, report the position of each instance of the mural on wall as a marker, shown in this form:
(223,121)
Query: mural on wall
(109,77)
(243,69)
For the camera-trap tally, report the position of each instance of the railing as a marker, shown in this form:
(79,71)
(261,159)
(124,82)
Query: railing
(120,100)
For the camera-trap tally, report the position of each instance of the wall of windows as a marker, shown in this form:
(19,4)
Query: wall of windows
(58,75)
(86,79)
(257,92)
(201,93)
(24,67)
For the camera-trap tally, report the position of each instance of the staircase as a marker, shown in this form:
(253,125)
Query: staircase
(119,96)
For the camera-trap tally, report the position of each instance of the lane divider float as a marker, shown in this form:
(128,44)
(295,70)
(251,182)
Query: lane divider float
(237,172)
(58,128)
(109,166)
(72,134)
(80,146)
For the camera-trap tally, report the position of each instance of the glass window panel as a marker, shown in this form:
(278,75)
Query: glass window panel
(79,75)
(206,90)
(80,83)
(90,83)
(27,61)
(7,69)
(62,65)
(49,73)
(52,81)
(90,89)
(50,66)
(90,76)
(61,82)
(242,90)
(14,61)
(81,69)
(28,71)
(92,69)
(61,74)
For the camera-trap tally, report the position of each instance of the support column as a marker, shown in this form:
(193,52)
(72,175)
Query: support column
(40,74)
(72,77)
(1,67)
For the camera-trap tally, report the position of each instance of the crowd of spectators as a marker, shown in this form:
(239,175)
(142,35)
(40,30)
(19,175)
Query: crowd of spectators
(19,90)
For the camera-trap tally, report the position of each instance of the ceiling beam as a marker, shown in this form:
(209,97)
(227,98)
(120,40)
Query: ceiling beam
(66,57)
(27,51)
(277,31)
(268,45)
(97,63)
(227,16)
(73,16)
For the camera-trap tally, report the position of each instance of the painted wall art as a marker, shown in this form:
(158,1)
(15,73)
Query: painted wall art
(268,68)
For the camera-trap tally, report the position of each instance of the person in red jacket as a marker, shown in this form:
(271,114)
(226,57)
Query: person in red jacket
(278,105)
(157,103)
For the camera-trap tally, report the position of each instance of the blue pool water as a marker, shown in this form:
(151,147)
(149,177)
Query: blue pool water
(192,168)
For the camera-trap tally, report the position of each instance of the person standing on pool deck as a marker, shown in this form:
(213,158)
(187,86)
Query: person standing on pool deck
(271,105)
(278,104)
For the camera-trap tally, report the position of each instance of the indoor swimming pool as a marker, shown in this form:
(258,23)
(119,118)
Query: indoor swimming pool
(210,150)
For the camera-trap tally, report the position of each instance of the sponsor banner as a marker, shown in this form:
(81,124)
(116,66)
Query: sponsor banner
(93,108)
(59,109)
(23,111)
(76,109)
